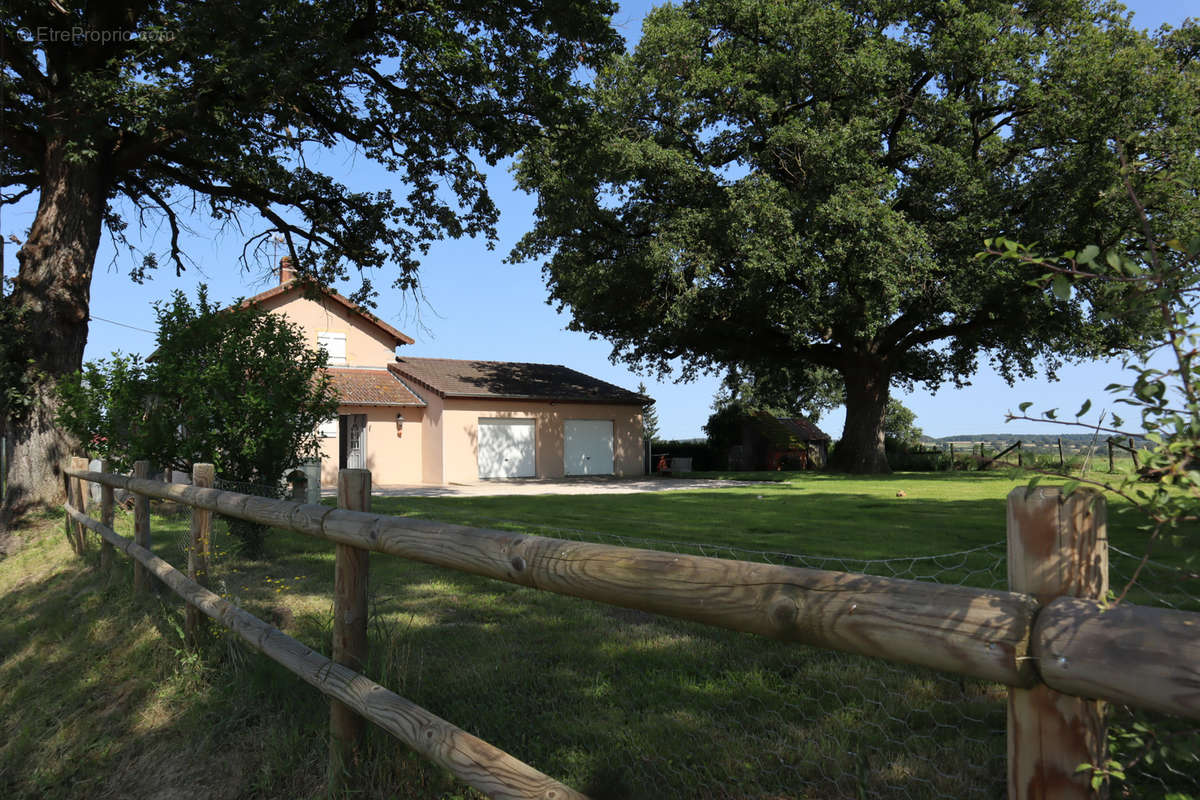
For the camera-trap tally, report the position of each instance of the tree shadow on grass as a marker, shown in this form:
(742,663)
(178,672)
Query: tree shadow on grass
(99,699)
(619,703)
(624,704)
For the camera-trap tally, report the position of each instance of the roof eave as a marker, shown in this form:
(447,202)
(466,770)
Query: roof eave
(382,405)
(611,401)
(292,285)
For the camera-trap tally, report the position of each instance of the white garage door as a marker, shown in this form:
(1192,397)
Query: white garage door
(588,447)
(506,448)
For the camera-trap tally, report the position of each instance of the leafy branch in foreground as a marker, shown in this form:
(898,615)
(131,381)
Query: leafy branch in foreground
(1161,280)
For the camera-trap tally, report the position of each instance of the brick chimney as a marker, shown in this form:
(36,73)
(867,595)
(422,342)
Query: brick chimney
(287,269)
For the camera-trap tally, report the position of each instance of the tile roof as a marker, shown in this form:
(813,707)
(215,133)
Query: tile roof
(293,285)
(802,429)
(512,381)
(794,427)
(371,387)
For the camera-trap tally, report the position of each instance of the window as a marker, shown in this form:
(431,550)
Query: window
(335,345)
(328,429)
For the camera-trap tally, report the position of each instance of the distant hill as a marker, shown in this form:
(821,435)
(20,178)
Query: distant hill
(1078,439)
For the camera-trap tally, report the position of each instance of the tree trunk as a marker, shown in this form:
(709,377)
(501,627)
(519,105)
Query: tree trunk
(860,449)
(53,288)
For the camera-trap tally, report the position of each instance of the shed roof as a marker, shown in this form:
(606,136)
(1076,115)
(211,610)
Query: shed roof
(797,428)
(511,380)
(367,386)
(802,429)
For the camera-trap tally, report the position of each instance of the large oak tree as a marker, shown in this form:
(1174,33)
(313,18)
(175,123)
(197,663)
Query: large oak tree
(133,108)
(803,185)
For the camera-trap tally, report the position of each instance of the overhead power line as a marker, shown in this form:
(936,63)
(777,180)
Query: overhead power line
(122,324)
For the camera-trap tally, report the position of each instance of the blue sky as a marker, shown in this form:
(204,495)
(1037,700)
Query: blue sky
(476,306)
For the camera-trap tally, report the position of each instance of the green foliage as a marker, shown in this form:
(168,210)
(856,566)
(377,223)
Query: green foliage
(106,406)
(1160,276)
(724,425)
(782,391)
(225,100)
(235,387)
(117,112)
(17,369)
(902,441)
(704,455)
(803,184)
(918,460)
(899,425)
(649,417)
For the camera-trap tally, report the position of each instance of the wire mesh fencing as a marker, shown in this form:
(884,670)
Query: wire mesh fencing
(624,704)
(621,703)
(1162,753)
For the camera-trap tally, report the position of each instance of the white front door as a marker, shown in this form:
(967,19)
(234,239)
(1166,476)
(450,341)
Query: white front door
(506,448)
(588,447)
(352,441)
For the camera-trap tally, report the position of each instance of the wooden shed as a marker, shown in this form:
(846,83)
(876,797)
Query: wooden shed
(769,442)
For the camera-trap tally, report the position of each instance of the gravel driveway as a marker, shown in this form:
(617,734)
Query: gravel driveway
(531,486)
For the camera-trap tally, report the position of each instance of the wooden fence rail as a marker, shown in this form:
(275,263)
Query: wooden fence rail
(980,633)
(472,760)
(1145,657)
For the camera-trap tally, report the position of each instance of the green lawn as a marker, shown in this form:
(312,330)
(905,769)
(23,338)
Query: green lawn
(99,698)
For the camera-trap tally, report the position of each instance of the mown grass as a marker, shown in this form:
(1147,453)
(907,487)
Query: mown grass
(99,698)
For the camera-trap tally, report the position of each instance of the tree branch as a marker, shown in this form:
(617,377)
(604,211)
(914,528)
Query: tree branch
(905,109)
(22,139)
(172,220)
(9,199)
(131,150)
(15,55)
(937,332)
(1010,417)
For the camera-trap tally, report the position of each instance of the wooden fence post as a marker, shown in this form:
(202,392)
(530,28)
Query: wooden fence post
(1133,452)
(106,518)
(1056,546)
(1062,463)
(1020,458)
(199,549)
(1111,466)
(141,528)
(78,499)
(349,630)
(69,494)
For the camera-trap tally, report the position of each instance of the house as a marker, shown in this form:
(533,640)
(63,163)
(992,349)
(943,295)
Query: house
(770,442)
(434,420)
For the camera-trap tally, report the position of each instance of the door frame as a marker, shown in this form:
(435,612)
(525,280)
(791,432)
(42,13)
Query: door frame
(346,424)
(495,422)
(612,445)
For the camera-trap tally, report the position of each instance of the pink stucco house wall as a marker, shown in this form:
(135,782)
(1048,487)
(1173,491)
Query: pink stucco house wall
(417,420)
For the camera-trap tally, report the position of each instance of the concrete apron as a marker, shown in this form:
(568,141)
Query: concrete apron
(535,486)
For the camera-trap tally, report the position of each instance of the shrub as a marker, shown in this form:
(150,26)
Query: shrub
(703,454)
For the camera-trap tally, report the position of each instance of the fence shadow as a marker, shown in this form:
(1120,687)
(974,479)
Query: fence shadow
(132,713)
(626,704)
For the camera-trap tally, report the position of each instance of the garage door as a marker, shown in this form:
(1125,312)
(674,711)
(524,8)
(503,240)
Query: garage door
(588,447)
(506,448)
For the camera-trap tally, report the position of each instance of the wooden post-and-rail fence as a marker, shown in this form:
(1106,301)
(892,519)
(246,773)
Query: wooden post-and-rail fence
(1051,639)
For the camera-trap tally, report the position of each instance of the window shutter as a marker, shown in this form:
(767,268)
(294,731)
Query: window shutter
(335,345)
